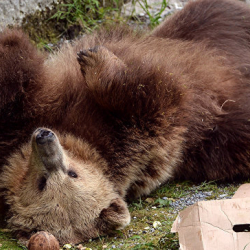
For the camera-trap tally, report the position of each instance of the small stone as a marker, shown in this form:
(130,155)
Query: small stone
(81,247)
(104,246)
(43,241)
(156,224)
(150,200)
(223,195)
(67,246)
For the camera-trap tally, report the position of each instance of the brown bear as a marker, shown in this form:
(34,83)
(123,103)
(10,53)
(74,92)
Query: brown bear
(127,111)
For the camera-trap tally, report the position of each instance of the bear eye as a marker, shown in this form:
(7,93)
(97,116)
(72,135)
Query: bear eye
(72,174)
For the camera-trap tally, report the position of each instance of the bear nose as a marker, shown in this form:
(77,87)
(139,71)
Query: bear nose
(44,136)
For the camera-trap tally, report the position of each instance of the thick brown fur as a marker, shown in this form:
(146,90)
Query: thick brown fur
(141,109)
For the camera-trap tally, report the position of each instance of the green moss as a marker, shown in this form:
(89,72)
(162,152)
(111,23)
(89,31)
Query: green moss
(41,29)
(68,19)
(7,241)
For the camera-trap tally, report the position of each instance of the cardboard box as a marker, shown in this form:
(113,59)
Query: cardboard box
(214,225)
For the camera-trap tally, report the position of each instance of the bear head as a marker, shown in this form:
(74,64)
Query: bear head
(57,184)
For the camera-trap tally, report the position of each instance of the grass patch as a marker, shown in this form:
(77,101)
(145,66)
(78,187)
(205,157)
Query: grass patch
(87,14)
(71,18)
(8,242)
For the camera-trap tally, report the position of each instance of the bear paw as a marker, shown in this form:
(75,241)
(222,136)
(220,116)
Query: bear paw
(99,58)
(91,58)
(87,57)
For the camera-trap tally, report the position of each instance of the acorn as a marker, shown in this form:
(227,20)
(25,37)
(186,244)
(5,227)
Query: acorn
(43,241)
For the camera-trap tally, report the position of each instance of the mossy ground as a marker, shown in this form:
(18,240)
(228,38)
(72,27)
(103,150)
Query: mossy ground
(145,213)
(8,242)
(69,19)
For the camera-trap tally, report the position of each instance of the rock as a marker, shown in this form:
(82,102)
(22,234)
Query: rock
(43,241)
(67,246)
(12,12)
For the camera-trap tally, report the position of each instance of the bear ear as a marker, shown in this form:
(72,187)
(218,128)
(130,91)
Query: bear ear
(115,217)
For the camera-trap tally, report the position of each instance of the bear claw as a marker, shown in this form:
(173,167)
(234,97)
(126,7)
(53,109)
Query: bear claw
(94,49)
(82,53)
(85,53)
(87,57)
(81,56)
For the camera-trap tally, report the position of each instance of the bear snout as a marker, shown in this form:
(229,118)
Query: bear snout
(47,149)
(44,135)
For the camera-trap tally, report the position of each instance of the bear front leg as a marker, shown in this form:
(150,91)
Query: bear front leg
(98,60)
(138,90)
(105,76)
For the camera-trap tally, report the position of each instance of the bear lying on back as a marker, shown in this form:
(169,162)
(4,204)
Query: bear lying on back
(128,112)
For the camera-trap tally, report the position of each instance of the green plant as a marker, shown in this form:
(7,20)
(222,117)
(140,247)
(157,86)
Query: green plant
(154,18)
(136,205)
(86,13)
(150,246)
(168,242)
(7,242)
(162,203)
(43,45)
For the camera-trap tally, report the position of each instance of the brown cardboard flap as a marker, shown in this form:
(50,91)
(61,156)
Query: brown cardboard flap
(209,225)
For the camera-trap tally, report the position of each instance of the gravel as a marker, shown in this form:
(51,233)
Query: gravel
(195,196)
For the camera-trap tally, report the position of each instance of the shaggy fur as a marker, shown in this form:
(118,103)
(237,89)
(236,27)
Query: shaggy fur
(56,187)
(141,109)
